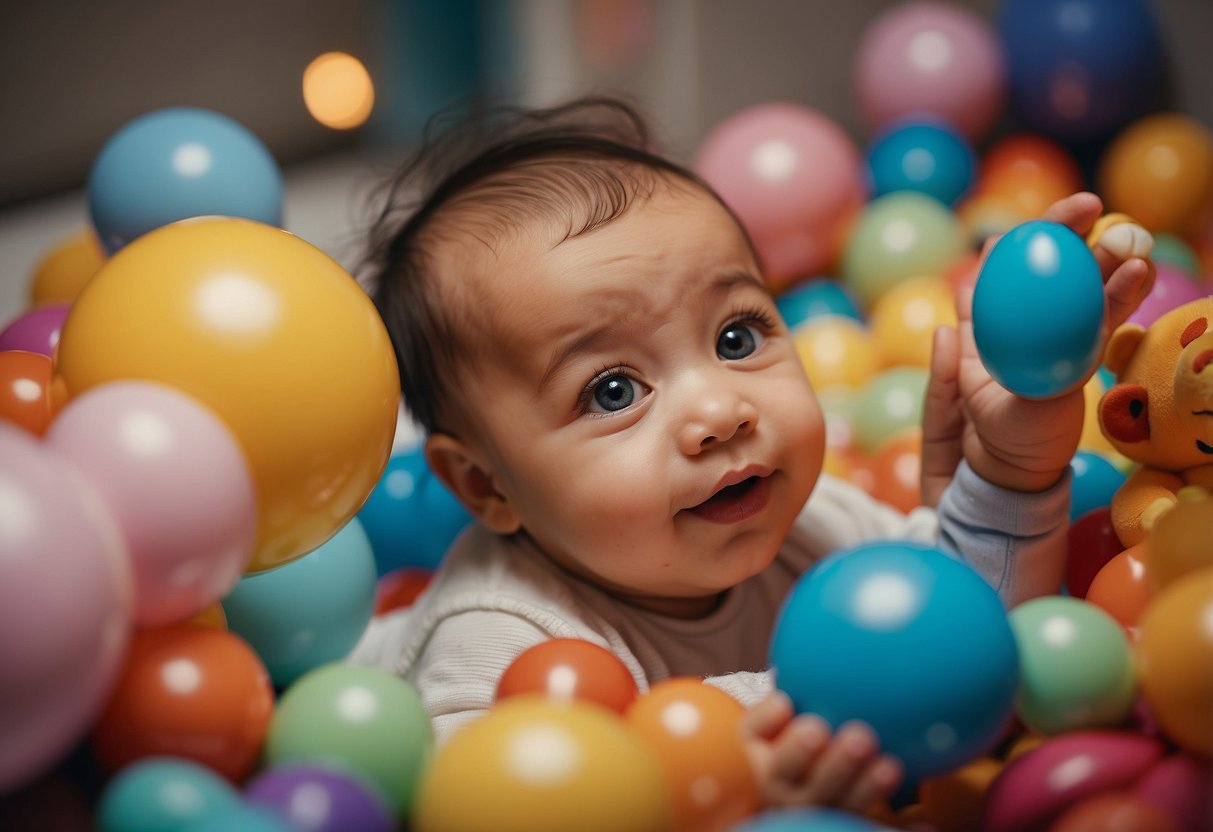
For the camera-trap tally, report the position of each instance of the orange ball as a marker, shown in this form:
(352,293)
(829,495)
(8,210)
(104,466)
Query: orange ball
(399,588)
(904,318)
(191,691)
(953,802)
(1159,170)
(836,351)
(1114,812)
(1120,588)
(567,670)
(30,395)
(695,729)
(1175,660)
(66,267)
(1027,160)
(897,469)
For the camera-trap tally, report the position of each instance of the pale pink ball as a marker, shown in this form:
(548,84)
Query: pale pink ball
(925,57)
(793,177)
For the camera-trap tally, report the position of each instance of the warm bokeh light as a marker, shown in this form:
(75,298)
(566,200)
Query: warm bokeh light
(338,91)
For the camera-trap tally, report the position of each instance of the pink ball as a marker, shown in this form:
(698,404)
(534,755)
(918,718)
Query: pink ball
(65,605)
(178,485)
(1172,288)
(36,330)
(927,57)
(1180,785)
(794,179)
(1036,788)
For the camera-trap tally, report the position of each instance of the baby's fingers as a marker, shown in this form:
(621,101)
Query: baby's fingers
(795,753)
(877,782)
(853,749)
(1126,288)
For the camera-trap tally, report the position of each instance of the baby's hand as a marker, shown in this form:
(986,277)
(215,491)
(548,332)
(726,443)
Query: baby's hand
(1020,444)
(798,763)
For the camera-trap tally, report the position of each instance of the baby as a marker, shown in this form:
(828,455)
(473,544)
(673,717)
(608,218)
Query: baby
(605,383)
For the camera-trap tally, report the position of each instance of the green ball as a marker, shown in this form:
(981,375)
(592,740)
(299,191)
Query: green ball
(1075,666)
(360,719)
(891,402)
(1171,249)
(898,236)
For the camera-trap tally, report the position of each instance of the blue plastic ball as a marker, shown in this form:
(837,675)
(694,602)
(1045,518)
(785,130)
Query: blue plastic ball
(241,817)
(925,156)
(808,820)
(906,639)
(1079,70)
(1095,482)
(160,794)
(1038,310)
(310,611)
(180,162)
(814,298)
(411,518)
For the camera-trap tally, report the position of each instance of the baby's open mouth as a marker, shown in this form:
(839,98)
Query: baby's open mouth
(737,502)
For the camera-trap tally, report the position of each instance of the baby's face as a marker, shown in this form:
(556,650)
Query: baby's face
(643,410)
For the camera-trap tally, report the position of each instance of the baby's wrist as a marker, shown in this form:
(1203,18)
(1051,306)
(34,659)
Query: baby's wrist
(1013,477)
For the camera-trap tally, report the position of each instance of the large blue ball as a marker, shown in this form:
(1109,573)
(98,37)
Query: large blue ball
(1079,70)
(411,518)
(907,639)
(159,793)
(310,611)
(1038,310)
(176,163)
(1096,481)
(925,156)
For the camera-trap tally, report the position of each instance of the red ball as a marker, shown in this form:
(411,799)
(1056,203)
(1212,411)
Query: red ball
(189,691)
(570,669)
(1091,543)
(399,588)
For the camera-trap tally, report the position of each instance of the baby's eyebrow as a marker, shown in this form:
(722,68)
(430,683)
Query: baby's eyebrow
(604,332)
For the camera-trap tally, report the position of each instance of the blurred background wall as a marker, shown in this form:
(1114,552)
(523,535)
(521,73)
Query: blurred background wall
(74,72)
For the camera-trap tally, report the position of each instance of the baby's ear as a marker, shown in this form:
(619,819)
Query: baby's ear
(461,470)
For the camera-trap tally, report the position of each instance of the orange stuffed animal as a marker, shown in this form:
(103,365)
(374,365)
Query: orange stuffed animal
(1160,412)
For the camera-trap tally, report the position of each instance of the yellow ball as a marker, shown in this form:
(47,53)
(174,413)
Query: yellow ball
(904,319)
(1092,438)
(835,351)
(1160,170)
(532,765)
(66,267)
(1175,660)
(271,334)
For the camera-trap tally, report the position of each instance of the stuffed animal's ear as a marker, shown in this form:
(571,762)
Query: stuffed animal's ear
(1124,413)
(1121,347)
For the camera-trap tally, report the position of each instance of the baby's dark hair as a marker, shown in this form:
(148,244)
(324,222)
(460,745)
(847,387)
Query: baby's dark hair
(586,161)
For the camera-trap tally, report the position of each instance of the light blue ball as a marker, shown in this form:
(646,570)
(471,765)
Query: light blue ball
(1038,309)
(241,817)
(163,794)
(310,611)
(1095,482)
(180,162)
(411,518)
(808,820)
(925,156)
(906,639)
(814,298)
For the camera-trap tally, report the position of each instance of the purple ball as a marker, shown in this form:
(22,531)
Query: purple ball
(315,799)
(36,330)
(1172,289)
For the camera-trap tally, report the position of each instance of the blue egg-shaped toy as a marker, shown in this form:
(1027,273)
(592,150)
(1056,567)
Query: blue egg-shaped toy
(156,794)
(1095,482)
(1038,310)
(310,611)
(814,298)
(180,162)
(411,518)
(925,156)
(907,639)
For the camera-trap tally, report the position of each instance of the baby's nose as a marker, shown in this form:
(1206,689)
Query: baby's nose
(716,419)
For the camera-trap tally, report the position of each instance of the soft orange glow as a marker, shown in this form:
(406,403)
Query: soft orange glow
(338,91)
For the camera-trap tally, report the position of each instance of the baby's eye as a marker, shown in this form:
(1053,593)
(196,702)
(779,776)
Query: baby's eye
(737,340)
(615,392)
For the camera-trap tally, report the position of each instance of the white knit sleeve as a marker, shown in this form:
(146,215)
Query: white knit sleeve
(457,672)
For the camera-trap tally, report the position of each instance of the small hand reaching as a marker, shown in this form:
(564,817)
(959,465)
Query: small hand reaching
(797,762)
